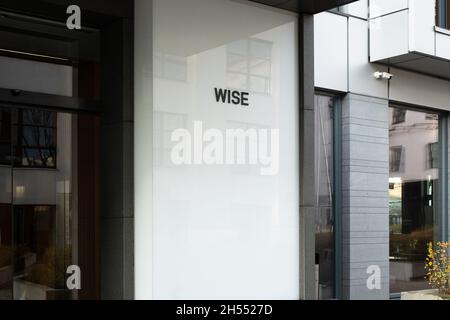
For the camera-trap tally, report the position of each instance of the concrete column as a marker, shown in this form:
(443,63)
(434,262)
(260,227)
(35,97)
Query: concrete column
(117,127)
(365,203)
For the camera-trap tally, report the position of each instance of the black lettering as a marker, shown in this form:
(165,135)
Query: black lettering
(220,95)
(236,97)
(244,99)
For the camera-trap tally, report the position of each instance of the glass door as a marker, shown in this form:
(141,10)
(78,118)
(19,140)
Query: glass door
(325,243)
(6,246)
(43,244)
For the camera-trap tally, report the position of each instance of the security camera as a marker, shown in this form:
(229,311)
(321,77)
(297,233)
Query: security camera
(383,75)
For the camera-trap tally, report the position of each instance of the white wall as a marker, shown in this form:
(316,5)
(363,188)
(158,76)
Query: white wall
(361,80)
(215,232)
(331,51)
(389,36)
(422,19)
(358,9)
(379,8)
(143,156)
(342,56)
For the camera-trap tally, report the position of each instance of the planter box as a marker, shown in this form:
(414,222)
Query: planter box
(421,295)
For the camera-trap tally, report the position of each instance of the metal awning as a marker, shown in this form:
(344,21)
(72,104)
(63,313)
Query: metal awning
(305,6)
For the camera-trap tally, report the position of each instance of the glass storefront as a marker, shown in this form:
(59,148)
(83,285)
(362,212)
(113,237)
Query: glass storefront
(45,177)
(325,218)
(414,164)
(50,193)
(226,162)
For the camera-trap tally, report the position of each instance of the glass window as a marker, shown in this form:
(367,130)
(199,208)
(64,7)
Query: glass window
(413,205)
(398,116)
(35,138)
(396,159)
(443,13)
(325,218)
(432,155)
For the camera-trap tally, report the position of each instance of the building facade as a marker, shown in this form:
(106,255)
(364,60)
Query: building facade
(222,149)
(394,128)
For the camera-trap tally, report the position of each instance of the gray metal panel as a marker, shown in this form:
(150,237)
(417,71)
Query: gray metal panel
(308,207)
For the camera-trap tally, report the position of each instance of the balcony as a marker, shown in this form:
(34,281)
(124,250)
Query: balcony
(411,35)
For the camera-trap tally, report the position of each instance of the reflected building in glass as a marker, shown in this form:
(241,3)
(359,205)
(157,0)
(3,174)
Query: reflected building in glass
(413,195)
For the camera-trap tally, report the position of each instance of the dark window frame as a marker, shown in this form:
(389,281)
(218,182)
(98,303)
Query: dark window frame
(5,136)
(432,155)
(398,116)
(443,14)
(396,165)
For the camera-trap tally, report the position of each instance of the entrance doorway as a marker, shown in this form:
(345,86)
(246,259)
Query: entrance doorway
(84,77)
(48,203)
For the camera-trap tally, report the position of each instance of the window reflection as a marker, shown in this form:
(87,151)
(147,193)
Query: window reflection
(5,138)
(35,139)
(249,64)
(43,211)
(325,220)
(170,67)
(165,123)
(413,185)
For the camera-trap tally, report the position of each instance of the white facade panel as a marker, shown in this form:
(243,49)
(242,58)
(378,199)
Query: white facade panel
(422,20)
(208,228)
(35,76)
(383,7)
(143,152)
(443,45)
(389,36)
(419,90)
(330,51)
(358,9)
(361,79)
